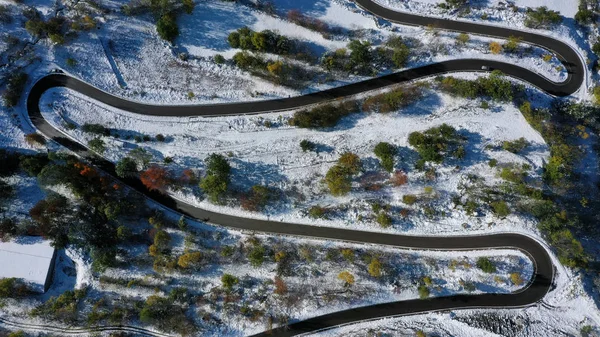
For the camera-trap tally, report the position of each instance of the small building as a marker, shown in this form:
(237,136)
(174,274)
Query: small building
(30,259)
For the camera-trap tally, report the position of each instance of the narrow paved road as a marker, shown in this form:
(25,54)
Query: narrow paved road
(543,275)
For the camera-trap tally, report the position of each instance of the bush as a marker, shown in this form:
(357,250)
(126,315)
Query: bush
(494,86)
(167,27)
(500,208)
(160,137)
(350,162)
(462,39)
(386,152)
(14,89)
(495,47)
(33,165)
(219,59)
(384,220)
(399,178)
(423,291)
(409,199)
(317,212)
(265,41)
(97,145)
(347,278)
(257,198)
(512,44)
(433,144)
(375,267)
(190,260)
(155,178)
(516,145)
(141,157)
(584,16)
(486,265)
(35,139)
(392,100)
(322,116)
(492,162)
(97,129)
(360,54)
(307,145)
(339,180)
(541,17)
(12,287)
(62,308)
(308,22)
(516,279)
(229,281)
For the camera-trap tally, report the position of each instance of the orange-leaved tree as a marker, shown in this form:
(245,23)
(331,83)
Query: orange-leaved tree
(155,178)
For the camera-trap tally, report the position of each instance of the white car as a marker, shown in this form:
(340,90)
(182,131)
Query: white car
(486,68)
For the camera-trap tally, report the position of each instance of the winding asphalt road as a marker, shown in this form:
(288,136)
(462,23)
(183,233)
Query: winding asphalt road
(535,290)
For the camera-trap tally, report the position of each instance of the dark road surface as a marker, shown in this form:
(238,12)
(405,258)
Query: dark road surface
(538,286)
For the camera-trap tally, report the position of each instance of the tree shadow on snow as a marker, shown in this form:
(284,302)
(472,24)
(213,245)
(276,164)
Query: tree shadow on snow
(246,174)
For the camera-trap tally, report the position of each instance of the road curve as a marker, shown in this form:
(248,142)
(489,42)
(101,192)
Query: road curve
(543,274)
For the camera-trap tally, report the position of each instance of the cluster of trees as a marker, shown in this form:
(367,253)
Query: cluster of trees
(93,220)
(542,17)
(62,308)
(339,176)
(55,28)
(495,86)
(168,313)
(585,15)
(14,89)
(12,288)
(515,146)
(265,41)
(323,116)
(435,144)
(280,72)
(392,100)
(362,57)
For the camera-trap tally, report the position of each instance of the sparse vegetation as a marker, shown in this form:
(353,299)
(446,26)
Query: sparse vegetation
(323,116)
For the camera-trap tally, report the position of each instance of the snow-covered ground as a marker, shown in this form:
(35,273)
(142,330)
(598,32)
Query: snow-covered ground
(125,56)
(272,156)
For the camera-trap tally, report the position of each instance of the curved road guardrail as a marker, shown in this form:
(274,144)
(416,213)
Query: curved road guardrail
(543,274)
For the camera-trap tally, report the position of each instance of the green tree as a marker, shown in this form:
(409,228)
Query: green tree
(167,27)
(360,53)
(486,265)
(256,256)
(386,152)
(97,145)
(188,6)
(338,180)
(350,162)
(126,167)
(229,281)
(500,208)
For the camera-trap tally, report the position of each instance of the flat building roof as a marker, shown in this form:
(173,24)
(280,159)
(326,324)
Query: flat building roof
(28,258)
